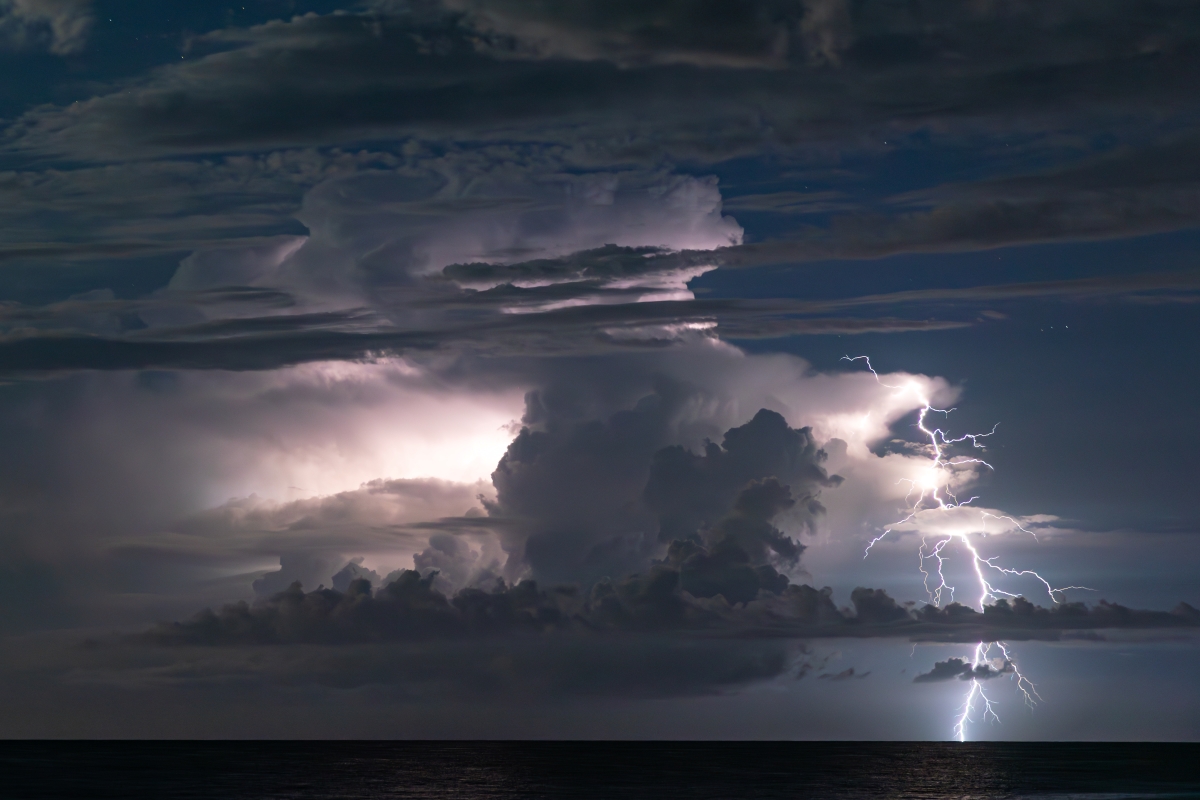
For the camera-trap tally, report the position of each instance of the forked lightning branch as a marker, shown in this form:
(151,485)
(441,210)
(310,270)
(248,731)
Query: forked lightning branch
(932,493)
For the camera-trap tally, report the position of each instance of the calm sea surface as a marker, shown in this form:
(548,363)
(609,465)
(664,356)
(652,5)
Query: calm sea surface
(595,770)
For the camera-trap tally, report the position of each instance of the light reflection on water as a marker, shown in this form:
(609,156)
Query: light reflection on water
(625,770)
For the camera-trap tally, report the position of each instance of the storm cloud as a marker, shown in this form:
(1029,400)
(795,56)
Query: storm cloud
(489,358)
(599,498)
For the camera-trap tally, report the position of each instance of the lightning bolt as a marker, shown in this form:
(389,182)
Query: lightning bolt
(931,492)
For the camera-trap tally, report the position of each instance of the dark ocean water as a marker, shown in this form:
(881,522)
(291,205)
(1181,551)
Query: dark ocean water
(620,770)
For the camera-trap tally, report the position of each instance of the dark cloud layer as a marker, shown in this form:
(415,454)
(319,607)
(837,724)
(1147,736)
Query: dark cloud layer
(845,675)
(354,75)
(282,339)
(613,261)
(410,609)
(953,668)
(715,33)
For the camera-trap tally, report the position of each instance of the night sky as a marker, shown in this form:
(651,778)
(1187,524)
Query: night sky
(488,368)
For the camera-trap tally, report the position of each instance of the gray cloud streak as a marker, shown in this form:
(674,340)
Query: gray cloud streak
(267,342)
(424,73)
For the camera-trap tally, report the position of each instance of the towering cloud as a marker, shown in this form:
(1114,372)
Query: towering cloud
(456,351)
(600,498)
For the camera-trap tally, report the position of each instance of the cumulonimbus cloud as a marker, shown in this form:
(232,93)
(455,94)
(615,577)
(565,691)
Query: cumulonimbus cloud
(692,539)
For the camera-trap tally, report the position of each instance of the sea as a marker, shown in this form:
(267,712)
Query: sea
(237,770)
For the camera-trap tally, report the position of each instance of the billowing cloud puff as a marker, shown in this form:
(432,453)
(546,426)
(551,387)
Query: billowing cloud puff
(598,498)
(689,491)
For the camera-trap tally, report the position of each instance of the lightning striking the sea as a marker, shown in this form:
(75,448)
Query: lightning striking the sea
(932,492)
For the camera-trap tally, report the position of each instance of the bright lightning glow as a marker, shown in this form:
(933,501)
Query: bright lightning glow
(976,691)
(930,491)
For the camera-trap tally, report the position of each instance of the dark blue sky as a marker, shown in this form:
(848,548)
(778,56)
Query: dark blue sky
(488,349)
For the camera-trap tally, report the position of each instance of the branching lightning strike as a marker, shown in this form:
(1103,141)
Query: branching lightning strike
(933,492)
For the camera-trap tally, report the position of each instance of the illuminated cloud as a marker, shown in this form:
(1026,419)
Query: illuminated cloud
(379,232)
(485,353)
